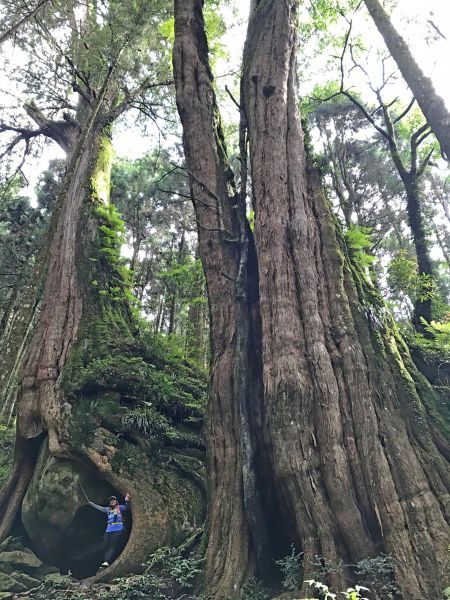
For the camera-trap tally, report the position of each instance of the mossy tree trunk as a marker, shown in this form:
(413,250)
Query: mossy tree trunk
(41,403)
(70,308)
(347,433)
(85,316)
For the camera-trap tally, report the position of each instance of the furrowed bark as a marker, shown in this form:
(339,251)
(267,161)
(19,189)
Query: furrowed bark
(39,409)
(432,105)
(224,241)
(353,452)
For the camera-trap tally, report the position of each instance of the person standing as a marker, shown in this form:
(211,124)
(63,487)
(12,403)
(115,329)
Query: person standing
(115,528)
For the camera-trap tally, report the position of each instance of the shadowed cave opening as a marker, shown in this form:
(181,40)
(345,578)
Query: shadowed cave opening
(82,547)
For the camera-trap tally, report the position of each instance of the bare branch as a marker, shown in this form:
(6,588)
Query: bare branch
(425,163)
(366,114)
(406,111)
(131,97)
(436,28)
(227,89)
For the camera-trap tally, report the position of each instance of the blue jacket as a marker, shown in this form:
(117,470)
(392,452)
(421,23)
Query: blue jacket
(115,521)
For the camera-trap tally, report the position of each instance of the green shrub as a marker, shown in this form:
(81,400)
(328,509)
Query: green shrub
(436,346)
(290,567)
(136,379)
(146,420)
(378,574)
(181,569)
(254,590)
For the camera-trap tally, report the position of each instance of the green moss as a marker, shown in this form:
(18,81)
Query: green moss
(101,177)
(111,277)
(128,460)
(82,424)
(7,437)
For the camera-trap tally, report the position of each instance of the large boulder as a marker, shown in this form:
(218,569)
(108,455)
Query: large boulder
(17,582)
(20,568)
(19,559)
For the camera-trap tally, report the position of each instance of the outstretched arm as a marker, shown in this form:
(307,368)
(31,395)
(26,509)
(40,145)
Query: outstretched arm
(98,507)
(126,506)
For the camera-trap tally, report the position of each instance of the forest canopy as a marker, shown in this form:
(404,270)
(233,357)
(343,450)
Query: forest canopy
(225,294)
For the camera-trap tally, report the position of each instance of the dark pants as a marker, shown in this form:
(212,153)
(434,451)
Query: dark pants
(113,541)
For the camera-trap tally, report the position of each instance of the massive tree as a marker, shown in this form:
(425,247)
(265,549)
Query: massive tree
(345,455)
(432,105)
(226,250)
(85,334)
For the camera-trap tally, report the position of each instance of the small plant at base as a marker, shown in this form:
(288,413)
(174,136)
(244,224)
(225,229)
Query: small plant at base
(327,594)
(254,590)
(323,568)
(378,574)
(182,570)
(290,568)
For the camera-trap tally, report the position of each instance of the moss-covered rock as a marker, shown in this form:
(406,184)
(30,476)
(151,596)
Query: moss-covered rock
(19,559)
(17,582)
(54,495)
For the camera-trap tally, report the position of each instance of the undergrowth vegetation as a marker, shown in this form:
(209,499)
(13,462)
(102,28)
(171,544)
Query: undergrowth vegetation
(167,574)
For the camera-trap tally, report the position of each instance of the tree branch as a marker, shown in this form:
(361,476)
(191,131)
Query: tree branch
(62,132)
(405,112)
(6,35)
(131,97)
(423,166)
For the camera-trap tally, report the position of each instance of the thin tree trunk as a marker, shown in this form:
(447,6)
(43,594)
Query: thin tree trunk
(427,285)
(432,105)
(160,313)
(173,301)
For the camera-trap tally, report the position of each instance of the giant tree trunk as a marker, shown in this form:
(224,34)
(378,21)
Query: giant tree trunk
(235,541)
(432,105)
(346,430)
(84,311)
(40,410)
(353,449)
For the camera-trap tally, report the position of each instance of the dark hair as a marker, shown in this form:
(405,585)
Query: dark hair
(113,498)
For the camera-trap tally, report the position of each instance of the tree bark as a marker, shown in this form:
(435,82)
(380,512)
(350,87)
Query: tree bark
(432,105)
(349,455)
(427,285)
(343,427)
(234,539)
(39,410)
